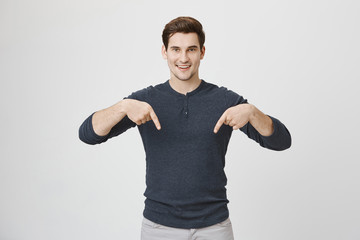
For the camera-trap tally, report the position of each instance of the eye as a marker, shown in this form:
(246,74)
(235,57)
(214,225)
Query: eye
(192,50)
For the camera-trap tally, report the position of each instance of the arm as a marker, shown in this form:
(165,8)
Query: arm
(137,111)
(267,131)
(116,119)
(104,120)
(239,115)
(261,122)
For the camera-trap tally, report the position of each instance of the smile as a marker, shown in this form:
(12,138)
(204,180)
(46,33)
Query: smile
(183,67)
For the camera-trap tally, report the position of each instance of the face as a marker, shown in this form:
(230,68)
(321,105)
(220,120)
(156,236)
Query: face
(183,56)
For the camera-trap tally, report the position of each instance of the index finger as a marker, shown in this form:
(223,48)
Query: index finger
(219,123)
(155,119)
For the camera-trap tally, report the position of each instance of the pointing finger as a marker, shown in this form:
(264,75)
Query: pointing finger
(155,119)
(220,123)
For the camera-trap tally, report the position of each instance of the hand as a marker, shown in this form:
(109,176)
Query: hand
(140,112)
(236,117)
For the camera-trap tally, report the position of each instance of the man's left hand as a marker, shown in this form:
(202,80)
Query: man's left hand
(236,117)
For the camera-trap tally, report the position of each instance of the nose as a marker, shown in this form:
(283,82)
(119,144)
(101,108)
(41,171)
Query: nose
(184,57)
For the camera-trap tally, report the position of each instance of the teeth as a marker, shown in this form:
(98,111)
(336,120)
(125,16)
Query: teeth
(183,66)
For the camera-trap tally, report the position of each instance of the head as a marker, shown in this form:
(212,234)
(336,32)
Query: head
(183,47)
(183,25)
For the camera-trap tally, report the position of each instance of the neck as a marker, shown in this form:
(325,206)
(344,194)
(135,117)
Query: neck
(186,86)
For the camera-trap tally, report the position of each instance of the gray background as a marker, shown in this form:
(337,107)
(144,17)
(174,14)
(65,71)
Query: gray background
(62,60)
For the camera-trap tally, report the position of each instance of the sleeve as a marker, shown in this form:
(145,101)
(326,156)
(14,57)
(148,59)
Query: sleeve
(88,135)
(279,140)
(233,99)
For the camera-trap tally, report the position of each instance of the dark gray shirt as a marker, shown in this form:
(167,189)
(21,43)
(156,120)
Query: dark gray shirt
(185,160)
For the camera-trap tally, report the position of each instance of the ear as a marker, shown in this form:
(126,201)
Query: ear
(164,52)
(202,54)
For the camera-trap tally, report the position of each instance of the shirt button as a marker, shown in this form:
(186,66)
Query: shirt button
(186,113)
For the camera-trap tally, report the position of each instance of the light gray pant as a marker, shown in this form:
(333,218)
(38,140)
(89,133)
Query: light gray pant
(154,231)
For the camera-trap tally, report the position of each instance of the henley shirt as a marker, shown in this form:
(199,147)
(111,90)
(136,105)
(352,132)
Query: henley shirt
(185,160)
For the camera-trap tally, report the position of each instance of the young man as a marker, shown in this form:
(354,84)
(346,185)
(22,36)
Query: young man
(185,125)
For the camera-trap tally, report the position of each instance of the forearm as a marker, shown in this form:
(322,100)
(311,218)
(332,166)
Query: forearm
(104,120)
(268,131)
(261,122)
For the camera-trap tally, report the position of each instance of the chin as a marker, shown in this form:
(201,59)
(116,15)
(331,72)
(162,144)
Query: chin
(184,78)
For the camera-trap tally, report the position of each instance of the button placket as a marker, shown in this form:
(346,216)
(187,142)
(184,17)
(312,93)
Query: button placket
(186,109)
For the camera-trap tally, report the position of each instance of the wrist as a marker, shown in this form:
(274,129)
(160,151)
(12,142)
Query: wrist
(252,112)
(120,108)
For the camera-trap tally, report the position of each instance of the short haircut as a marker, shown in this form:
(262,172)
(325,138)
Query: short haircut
(183,25)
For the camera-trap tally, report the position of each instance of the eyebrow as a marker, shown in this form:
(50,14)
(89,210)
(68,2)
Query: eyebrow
(193,46)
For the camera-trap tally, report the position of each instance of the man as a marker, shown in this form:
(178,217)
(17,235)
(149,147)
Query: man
(185,125)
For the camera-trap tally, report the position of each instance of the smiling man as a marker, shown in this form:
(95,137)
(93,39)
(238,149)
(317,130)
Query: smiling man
(185,124)
(183,54)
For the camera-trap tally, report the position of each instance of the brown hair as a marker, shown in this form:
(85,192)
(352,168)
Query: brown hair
(183,25)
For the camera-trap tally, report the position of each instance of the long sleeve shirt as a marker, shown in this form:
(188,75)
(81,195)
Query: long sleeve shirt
(185,160)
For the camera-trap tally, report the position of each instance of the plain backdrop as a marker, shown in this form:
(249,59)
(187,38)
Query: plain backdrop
(62,60)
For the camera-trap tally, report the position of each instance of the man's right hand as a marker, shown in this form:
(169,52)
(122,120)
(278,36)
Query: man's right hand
(140,112)
(137,111)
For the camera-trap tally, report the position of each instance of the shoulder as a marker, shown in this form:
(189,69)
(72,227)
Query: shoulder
(217,88)
(211,88)
(143,94)
(231,97)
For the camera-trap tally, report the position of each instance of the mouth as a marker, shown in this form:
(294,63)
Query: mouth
(183,67)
